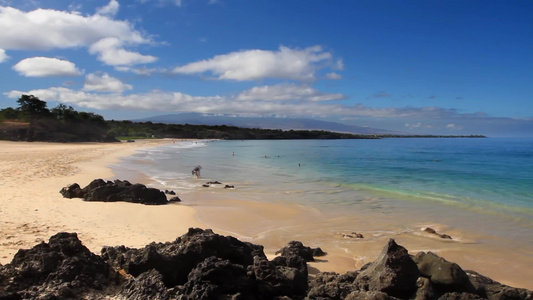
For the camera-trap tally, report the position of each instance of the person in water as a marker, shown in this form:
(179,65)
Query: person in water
(196,171)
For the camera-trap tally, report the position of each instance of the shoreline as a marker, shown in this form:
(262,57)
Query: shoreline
(227,213)
(32,209)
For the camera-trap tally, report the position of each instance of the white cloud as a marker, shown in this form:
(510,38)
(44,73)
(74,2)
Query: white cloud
(104,83)
(3,56)
(46,66)
(43,29)
(259,64)
(452,126)
(286,92)
(110,9)
(333,76)
(111,52)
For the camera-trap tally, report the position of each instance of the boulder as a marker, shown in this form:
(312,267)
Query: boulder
(298,249)
(108,191)
(278,280)
(148,285)
(61,269)
(394,273)
(72,191)
(175,260)
(330,285)
(174,199)
(444,275)
(216,278)
(493,290)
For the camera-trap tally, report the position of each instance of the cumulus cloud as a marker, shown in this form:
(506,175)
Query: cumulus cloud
(110,9)
(3,55)
(286,92)
(46,66)
(286,63)
(111,52)
(266,100)
(104,83)
(43,29)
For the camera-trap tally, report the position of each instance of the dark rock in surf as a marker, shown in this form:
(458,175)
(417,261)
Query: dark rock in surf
(174,199)
(432,231)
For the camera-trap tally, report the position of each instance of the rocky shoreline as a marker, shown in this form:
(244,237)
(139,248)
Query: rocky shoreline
(204,265)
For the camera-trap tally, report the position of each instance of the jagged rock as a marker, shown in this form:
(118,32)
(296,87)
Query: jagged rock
(298,249)
(493,290)
(100,190)
(446,276)
(394,273)
(72,191)
(148,285)
(60,269)
(215,278)
(366,295)
(175,260)
(174,199)
(330,285)
(204,265)
(275,280)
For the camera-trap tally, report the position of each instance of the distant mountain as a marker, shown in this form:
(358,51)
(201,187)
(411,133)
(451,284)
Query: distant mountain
(262,123)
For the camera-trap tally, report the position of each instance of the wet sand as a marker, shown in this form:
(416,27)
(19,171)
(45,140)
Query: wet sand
(273,224)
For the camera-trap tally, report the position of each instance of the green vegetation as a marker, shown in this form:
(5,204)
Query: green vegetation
(33,121)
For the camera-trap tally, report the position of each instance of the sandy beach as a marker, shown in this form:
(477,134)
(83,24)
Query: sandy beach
(32,209)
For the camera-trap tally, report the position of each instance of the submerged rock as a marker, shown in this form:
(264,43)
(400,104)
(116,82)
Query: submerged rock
(433,231)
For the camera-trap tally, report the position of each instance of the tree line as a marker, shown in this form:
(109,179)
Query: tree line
(33,121)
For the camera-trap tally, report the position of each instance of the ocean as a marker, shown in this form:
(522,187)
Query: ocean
(478,190)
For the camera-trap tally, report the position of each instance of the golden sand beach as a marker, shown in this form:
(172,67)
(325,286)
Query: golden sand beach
(32,209)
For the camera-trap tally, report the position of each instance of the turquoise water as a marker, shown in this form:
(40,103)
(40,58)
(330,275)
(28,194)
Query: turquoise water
(490,170)
(467,178)
(479,191)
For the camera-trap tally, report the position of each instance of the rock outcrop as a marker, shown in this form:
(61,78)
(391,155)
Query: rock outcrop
(112,191)
(205,265)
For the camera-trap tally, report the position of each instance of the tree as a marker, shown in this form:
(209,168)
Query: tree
(64,113)
(29,104)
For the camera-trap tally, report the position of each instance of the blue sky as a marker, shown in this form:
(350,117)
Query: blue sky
(438,67)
